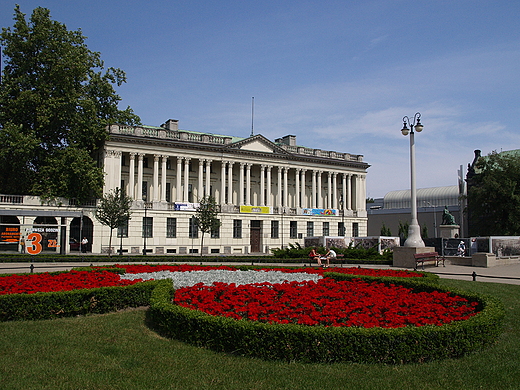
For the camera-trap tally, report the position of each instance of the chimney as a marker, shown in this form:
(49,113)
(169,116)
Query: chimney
(171,124)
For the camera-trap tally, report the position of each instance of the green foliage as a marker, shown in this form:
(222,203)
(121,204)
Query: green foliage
(206,217)
(385,231)
(328,344)
(55,95)
(114,211)
(424,231)
(402,230)
(494,196)
(42,306)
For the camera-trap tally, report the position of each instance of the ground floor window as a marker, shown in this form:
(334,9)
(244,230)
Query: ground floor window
(237,228)
(275,229)
(122,231)
(355,229)
(147,227)
(310,229)
(171,227)
(341,228)
(194,229)
(293,229)
(326,229)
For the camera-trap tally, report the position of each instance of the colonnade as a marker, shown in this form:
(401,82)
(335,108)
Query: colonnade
(238,182)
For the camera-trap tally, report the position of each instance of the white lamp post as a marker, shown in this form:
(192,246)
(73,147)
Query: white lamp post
(414,231)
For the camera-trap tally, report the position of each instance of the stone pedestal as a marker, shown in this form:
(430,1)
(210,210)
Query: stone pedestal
(403,255)
(481,259)
(449,231)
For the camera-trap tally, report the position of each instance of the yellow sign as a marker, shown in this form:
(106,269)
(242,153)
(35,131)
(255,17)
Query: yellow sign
(255,209)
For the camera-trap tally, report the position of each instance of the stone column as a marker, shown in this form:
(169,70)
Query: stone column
(163,178)
(320,199)
(241,184)
(334,190)
(314,192)
(303,195)
(186,179)
(262,185)
(297,188)
(329,190)
(139,194)
(223,182)
(131,177)
(178,177)
(200,180)
(156,177)
(279,197)
(248,184)
(349,192)
(230,182)
(269,195)
(285,187)
(208,178)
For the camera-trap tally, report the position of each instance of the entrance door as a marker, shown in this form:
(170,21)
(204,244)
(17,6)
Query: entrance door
(256,236)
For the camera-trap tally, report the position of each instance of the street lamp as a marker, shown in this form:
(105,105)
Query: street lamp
(414,231)
(283,213)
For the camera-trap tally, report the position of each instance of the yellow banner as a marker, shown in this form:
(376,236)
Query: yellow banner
(255,209)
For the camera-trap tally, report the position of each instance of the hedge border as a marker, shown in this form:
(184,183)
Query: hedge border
(311,344)
(49,305)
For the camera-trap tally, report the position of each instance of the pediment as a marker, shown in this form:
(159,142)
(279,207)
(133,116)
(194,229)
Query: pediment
(257,143)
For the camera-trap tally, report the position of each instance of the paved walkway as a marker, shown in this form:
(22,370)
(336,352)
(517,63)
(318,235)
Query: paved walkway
(509,274)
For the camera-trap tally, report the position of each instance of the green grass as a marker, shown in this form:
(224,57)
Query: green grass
(118,351)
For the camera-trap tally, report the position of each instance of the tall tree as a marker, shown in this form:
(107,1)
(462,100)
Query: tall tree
(206,217)
(494,196)
(55,94)
(114,211)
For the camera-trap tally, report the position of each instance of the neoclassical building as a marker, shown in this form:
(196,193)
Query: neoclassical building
(270,193)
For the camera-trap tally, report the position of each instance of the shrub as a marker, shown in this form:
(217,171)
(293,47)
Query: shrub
(327,344)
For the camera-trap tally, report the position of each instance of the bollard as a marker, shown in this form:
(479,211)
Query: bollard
(474,275)
(32,268)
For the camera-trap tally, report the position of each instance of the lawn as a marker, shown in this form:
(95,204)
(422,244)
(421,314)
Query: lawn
(118,351)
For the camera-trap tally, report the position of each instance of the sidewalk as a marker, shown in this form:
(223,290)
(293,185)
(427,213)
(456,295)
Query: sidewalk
(509,274)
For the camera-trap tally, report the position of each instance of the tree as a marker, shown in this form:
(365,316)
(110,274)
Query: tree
(206,217)
(494,196)
(55,94)
(385,231)
(114,211)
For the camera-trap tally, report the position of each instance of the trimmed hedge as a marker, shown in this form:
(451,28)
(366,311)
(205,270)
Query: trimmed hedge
(328,344)
(42,306)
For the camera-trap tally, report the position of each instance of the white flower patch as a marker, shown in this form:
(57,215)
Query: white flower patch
(190,278)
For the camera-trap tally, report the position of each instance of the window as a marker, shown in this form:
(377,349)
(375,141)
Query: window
(215,233)
(190,193)
(145,190)
(310,229)
(326,229)
(171,227)
(145,162)
(355,229)
(341,228)
(194,229)
(275,226)
(147,227)
(168,192)
(237,228)
(123,159)
(122,231)
(293,229)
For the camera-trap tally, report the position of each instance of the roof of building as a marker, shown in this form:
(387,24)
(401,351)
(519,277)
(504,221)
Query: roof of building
(426,197)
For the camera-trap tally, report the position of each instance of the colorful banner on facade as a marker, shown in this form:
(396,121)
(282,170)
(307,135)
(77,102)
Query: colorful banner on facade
(9,234)
(325,212)
(255,209)
(186,206)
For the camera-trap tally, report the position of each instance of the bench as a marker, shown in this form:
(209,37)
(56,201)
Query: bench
(339,257)
(428,256)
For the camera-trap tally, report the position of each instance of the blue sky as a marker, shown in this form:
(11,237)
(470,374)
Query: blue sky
(340,75)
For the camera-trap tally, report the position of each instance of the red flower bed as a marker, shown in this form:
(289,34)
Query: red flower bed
(66,281)
(140,268)
(327,302)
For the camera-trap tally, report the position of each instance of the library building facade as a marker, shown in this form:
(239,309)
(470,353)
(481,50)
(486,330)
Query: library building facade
(270,194)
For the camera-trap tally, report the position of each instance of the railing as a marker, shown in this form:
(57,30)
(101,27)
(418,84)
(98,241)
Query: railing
(13,199)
